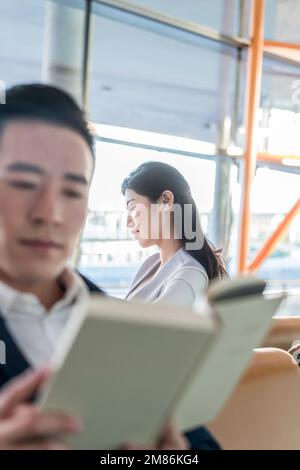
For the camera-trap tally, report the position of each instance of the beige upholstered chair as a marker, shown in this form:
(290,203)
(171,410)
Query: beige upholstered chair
(264,410)
(284,331)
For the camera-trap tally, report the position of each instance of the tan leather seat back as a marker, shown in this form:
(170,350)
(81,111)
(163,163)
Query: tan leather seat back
(264,410)
(284,331)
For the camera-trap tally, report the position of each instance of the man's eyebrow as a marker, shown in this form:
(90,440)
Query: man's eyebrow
(76,178)
(25,167)
(31,168)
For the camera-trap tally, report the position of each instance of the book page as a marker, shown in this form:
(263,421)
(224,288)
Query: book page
(245,323)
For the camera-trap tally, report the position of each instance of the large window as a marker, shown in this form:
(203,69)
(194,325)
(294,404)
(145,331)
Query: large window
(166,80)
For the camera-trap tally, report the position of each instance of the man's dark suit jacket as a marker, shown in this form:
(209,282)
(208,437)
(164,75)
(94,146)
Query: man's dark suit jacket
(16,363)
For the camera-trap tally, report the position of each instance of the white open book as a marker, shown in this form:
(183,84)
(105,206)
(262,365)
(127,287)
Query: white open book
(125,368)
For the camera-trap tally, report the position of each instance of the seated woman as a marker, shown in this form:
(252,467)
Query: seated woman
(162,212)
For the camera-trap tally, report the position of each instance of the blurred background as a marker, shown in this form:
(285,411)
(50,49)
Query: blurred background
(168,80)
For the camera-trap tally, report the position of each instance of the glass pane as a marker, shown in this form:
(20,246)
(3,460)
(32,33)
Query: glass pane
(143,80)
(269,204)
(279,119)
(21,40)
(277,85)
(108,255)
(282,20)
(222,15)
(41,41)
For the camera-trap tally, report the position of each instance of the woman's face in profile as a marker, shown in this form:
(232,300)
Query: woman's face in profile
(143,219)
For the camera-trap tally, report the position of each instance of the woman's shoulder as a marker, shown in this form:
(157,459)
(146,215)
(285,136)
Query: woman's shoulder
(188,264)
(186,281)
(189,271)
(192,275)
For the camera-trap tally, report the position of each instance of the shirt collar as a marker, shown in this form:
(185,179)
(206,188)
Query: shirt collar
(11,298)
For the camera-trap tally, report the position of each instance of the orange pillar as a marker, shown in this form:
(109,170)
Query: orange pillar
(275,237)
(253,97)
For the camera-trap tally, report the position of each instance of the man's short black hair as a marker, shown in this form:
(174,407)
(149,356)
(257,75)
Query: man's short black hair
(39,102)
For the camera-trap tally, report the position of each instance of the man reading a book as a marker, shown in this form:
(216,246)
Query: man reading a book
(46,166)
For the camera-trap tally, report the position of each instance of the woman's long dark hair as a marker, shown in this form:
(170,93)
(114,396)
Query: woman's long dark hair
(151,179)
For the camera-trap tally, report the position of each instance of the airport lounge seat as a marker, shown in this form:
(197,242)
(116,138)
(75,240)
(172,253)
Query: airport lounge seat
(284,331)
(263,412)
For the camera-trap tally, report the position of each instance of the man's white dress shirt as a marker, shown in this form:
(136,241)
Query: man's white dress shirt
(36,330)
